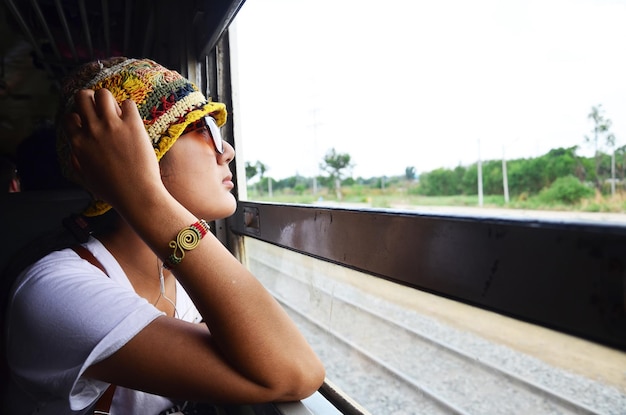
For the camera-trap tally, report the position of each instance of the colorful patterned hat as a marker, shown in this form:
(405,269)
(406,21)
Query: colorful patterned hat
(167,103)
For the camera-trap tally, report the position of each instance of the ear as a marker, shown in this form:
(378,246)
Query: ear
(165,165)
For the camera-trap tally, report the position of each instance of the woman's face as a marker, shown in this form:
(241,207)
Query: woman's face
(198,176)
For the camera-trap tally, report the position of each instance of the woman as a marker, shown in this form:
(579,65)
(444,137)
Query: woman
(72,332)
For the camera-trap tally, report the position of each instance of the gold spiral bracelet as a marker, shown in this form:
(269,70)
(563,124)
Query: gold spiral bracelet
(187,239)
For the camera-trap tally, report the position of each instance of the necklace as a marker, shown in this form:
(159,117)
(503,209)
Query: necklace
(162,289)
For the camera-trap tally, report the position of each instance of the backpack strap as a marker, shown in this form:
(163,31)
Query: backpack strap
(86,254)
(103,406)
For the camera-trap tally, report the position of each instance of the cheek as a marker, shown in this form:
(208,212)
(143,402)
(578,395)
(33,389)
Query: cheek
(181,168)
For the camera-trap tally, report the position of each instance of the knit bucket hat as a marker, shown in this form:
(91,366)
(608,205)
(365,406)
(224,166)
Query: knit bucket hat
(166,101)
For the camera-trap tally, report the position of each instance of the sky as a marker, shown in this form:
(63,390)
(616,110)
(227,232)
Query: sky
(424,84)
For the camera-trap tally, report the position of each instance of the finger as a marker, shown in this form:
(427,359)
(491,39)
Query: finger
(106,105)
(129,110)
(85,106)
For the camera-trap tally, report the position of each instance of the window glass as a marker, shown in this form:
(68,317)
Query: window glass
(514,106)
(397,350)
(425,98)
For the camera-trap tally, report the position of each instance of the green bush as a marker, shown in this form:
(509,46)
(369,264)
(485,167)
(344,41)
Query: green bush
(568,190)
(300,188)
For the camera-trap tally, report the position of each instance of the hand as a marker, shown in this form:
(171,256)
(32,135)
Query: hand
(111,151)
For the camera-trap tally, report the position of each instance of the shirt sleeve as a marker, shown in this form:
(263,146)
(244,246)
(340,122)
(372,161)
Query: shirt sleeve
(64,316)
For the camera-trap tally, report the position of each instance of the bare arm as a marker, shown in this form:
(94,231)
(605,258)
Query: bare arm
(254,353)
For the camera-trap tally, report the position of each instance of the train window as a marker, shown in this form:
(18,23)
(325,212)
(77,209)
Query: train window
(364,128)
(517,107)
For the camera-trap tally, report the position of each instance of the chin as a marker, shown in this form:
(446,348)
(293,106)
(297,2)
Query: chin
(223,211)
(231,211)
(233,205)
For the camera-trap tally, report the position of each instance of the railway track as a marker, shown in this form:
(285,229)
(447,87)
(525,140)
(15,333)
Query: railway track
(425,369)
(460,384)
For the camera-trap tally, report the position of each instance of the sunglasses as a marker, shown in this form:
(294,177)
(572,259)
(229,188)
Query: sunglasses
(209,124)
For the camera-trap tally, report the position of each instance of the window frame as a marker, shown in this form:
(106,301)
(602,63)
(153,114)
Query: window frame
(564,275)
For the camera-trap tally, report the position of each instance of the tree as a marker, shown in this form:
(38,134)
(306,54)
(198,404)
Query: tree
(440,182)
(254,169)
(601,126)
(251,170)
(409,173)
(261,168)
(568,190)
(335,164)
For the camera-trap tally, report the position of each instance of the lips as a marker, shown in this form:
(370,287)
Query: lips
(228,181)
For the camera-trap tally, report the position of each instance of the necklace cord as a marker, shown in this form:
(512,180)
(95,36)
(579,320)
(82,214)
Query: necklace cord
(162,289)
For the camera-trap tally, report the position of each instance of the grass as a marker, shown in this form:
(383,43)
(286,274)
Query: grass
(391,198)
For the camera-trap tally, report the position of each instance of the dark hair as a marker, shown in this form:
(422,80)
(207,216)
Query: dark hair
(37,161)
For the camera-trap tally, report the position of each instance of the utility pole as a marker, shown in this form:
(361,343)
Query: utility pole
(505,175)
(505,178)
(314,126)
(613,172)
(315,123)
(480,178)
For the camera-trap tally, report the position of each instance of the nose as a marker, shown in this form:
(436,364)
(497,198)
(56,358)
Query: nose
(228,155)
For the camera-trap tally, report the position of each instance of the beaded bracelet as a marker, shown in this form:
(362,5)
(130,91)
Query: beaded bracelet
(187,239)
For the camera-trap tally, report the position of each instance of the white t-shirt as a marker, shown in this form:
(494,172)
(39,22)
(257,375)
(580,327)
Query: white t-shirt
(65,315)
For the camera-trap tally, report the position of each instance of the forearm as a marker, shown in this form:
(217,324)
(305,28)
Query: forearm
(251,330)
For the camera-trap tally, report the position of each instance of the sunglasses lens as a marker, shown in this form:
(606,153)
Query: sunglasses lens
(215,134)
